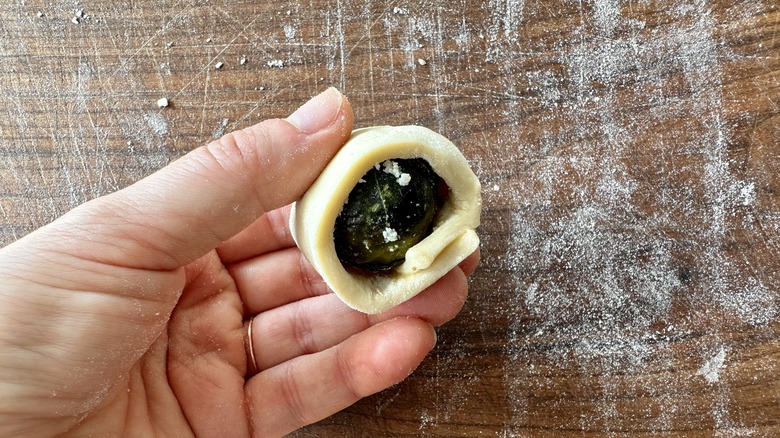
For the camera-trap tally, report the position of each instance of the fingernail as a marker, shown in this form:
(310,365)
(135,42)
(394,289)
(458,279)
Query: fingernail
(319,112)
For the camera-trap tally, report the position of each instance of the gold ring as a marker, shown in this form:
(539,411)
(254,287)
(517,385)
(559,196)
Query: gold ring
(251,361)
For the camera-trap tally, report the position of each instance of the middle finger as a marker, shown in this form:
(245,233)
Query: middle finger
(276,279)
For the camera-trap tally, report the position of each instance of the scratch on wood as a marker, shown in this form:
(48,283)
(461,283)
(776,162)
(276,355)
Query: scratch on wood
(437,69)
(340,41)
(381,407)
(205,106)
(148,41)
(369,26)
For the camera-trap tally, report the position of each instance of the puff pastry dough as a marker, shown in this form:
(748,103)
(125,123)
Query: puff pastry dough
(453,237)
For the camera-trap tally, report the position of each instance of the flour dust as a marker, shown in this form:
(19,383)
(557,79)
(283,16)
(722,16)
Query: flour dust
(614,261)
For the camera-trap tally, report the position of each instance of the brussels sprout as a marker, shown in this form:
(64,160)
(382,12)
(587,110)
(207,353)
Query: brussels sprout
(390,210)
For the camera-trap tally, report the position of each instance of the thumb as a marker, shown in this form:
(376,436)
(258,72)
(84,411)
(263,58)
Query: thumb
(178,214)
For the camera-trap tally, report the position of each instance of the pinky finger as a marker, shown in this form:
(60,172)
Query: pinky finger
(469,265)
(309,388)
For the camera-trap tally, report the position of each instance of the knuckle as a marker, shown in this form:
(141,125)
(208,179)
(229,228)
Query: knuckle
(278,225)
(234,153)
(302,331)
(310,280)
(293,398)
(348,378)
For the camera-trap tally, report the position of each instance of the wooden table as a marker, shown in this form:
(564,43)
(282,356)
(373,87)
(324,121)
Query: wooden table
(629,153)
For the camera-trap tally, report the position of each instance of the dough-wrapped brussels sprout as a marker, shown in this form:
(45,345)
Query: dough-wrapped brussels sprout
(452,233)
(390,210)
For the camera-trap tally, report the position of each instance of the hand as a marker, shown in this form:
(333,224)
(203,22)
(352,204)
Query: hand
(128,315)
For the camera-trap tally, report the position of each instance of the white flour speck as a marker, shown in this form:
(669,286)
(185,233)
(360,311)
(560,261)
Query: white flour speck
(394,169)
(290,31)
(711,369)
(390,235)
(157,123)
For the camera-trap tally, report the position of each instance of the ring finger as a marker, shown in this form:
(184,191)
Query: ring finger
(276,279)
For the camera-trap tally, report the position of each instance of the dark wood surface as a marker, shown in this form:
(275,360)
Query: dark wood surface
(629,153)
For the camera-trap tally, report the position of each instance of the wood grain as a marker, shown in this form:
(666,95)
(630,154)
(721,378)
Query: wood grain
(630,283)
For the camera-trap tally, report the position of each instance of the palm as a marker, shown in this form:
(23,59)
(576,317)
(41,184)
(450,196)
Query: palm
(144,366)
(206,361)
(191,379)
